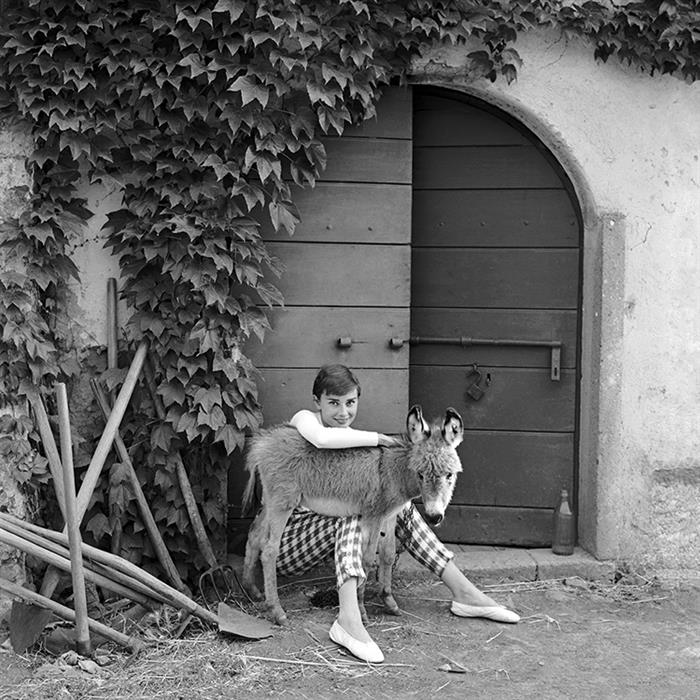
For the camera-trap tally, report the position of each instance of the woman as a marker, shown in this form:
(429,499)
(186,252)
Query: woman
(309,537)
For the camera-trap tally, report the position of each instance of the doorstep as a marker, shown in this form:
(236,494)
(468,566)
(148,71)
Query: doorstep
(495,564)
(486,565)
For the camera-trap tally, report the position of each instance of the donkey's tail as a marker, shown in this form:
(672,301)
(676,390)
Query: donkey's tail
(252,466)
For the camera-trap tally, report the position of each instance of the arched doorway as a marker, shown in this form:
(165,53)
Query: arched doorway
(495,297)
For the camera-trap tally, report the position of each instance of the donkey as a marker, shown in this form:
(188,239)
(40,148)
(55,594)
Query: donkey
(373,482)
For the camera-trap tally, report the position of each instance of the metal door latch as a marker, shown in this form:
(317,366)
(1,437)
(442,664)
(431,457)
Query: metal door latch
(554,346)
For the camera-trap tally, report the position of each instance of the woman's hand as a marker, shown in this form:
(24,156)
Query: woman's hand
(388,441)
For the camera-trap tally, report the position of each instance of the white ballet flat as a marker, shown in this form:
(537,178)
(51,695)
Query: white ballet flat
(367,651)
(499,613)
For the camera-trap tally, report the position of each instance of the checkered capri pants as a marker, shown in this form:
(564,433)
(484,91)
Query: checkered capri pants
(309,538)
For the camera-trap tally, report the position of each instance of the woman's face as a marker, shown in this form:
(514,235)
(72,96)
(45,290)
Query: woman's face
(337,411)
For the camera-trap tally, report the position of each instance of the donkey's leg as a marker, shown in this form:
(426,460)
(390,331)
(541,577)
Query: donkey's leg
(370,535)
(386,555)
(276,522)
(257,535)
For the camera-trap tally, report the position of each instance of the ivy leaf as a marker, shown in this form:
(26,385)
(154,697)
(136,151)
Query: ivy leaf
(227,365)
(250,91)
(270,294)
(208,398)
(319,93)
(284,215)
(233,7)
(98,526)
(162,437)
(245,418)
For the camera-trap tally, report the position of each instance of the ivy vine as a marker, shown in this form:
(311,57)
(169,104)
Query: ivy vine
(204,115)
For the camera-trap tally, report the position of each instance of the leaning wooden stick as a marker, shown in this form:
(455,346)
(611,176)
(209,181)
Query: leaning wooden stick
(58,556)
(82,630)
(198,528)
(148,520)
(105,444)
(101,451)
(67,614)
(47,440)
(113,363)
(170,594)
(112,353)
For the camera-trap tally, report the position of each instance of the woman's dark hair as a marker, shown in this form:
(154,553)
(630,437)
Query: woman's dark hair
(335,380)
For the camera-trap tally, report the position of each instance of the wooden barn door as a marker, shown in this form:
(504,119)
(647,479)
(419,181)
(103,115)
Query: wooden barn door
(346,284)
(495,257)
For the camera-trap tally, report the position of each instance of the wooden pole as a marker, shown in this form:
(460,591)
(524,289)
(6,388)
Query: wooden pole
(200,532)
(105,444)
(113,363)
(149,522)
(112,346)
(171,595)
(67,614)
(82,630)
(101,451)
(47,440)
(58,556)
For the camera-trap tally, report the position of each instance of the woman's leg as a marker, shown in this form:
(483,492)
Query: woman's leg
(350,574)
(308,539)
(427,549)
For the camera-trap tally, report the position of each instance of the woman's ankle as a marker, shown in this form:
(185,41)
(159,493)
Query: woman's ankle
(353,625)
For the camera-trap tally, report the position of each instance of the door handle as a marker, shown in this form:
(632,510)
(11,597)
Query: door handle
(555,346)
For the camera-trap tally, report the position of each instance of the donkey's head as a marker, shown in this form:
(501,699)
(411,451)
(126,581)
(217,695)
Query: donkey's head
(434,459)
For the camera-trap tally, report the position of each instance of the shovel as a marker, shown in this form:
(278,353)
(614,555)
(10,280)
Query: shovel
(241,624)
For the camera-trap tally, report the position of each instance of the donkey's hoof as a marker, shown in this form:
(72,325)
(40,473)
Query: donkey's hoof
(280,618)
(390,606)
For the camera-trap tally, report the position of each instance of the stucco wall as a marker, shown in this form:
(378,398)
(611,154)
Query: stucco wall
(14,147)
(631,144)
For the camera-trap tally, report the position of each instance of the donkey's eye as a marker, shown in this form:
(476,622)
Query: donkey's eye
(421,477)
(448,477)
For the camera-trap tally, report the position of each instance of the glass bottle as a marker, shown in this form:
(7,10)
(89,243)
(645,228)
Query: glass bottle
(564,536)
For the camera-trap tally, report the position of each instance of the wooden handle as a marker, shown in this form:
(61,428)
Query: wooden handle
(68,614)
(82,629)
(148,520)
(47,440)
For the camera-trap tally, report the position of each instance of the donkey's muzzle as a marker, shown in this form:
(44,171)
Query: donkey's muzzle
(434,519)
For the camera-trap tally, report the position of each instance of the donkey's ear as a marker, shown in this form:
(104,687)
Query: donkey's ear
(452,428)
(416,427)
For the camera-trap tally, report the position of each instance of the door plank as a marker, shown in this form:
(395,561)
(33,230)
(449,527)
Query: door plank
(484,167)
(367,160)
(494,218)
(505,278)
(304,336)
(344,274)
(463,125)
(525,324)
(516,399)
(349,213)
(521,527)
(514,469)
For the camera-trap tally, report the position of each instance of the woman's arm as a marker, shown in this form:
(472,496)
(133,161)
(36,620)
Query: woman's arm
(320,436)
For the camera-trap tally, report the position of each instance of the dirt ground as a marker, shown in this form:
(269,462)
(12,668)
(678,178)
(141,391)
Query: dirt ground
(636,638)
